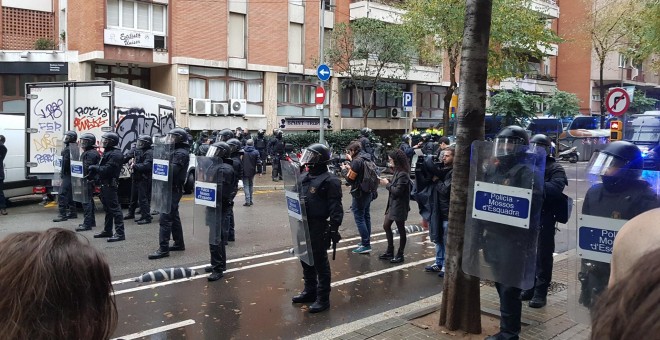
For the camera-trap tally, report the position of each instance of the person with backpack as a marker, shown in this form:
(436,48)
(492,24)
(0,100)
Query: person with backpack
(251,162)
(363,179)
(398,204)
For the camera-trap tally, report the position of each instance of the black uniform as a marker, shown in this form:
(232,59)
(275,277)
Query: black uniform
(237,166)
(322,195)
(133,204)
(276,150)
(170,223)
(224,174)
(365,143)
(65,204)
(142,170)
(430,148)
(408,150)
(108,176)
(261,144)
(91,156)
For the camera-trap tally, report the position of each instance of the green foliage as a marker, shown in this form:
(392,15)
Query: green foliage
(641,103)
(563,104)
(338,140)
(44,44)
(514,106)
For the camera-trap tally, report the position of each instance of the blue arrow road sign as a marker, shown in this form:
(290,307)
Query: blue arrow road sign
(407,101)
(323,72)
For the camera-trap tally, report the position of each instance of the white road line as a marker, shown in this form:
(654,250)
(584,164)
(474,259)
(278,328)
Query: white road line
(383,271)
(156,330)
(167,283)
(247,258)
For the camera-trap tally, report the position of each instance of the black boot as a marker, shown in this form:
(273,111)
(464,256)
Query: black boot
(216,263)
(388,254)
(159,254)
(129,216)
(527,295)
(307,295)
(538,301)
(60,218)
(319,305)
(398,258)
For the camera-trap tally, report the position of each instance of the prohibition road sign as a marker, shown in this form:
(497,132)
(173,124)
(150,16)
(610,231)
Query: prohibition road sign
(618,101)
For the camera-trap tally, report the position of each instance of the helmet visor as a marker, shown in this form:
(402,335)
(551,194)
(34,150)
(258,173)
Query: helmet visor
(536,147)
(310,157)
(212,151)
(171,138)
(506,146)
(141,144)
(85,143)
(603,164)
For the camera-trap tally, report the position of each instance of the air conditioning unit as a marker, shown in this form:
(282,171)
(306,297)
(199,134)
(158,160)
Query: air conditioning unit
(238,107)
(200,106)
(394,112)
(219,109)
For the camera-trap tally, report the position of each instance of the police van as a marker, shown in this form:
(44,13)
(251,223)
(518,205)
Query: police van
(643,130)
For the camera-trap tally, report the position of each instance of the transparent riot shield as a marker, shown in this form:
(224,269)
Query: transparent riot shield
(295,204)
(79,187)
(161,184)
(57,166)
(207,210)
(505,195)
(607,203)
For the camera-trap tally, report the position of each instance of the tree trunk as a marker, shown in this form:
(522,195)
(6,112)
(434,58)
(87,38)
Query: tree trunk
(449,94)
(601,90)
(461,307)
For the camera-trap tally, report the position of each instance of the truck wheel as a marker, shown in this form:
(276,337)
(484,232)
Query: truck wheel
(573,159)
(190,183)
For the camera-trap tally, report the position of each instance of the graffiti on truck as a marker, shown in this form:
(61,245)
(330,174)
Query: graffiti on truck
(133,122)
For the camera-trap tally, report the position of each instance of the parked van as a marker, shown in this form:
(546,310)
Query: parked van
(643,130)
(549,126)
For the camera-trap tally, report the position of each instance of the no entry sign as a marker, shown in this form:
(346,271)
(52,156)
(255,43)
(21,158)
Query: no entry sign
(320,95)
(618,101)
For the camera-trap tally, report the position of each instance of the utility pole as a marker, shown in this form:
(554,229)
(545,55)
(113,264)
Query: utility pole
(321,60)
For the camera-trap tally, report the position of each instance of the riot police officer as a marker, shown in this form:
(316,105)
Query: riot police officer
(276,149)
(621,195)
(322,195)
(66,206)
(260,144)
(170,223)
(365,143)
(223,173)
(406,148)
(90,157)
(107,174)
(142,177)
(237,164)
(129,158)
(224,135)
(554,183)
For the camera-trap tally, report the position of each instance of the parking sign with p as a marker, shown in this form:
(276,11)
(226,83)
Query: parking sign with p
(407,101)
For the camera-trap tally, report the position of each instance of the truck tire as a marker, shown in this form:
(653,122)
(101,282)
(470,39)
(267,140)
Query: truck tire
(189,186)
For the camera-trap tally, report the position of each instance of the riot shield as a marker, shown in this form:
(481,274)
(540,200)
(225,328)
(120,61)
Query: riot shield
(57,166)
(607,203)
(295,204)
(161,184)
(79,186)
(207,210)
(505,195)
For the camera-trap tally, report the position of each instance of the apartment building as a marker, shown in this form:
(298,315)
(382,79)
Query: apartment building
(578,66)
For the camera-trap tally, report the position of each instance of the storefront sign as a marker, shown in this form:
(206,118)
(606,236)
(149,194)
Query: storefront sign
(128,38)
(20,67)
(300,123)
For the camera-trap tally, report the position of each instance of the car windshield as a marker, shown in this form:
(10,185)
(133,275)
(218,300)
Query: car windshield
(642,128)
(587,123)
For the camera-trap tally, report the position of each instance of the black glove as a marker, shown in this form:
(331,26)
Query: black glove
(93,168)
(335,237)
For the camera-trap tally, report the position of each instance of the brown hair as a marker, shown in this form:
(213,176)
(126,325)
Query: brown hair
(400,160)
(54,286)
(629,309)
(354,146)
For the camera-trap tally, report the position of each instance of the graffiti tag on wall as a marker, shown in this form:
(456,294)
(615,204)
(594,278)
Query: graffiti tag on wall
(136,121)
(47,118)
(89,118)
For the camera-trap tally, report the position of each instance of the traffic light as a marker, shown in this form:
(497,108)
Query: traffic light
(615,130)
(453,106)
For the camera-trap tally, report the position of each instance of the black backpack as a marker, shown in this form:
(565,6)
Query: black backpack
(370,177)
(563,208)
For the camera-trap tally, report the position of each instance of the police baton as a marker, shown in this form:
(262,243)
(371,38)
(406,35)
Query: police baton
(334,249)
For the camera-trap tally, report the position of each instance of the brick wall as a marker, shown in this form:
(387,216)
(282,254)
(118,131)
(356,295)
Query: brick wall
(85,24)
(268,33)
(198,29)
(21,28)
(312,34)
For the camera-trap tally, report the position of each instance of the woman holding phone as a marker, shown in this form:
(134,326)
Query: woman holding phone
(398,204)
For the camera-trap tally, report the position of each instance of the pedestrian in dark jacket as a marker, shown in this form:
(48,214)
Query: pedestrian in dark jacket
(251,160)
(398,204)
(361,205)
(438,231)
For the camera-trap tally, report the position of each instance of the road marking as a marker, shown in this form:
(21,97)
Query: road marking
(379,272)
(156,330)
(167,283)
(252,257)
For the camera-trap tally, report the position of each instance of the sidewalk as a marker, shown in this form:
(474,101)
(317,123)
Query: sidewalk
(550,322)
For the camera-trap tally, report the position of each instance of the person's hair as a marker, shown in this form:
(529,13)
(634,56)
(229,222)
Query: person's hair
(2,138)
(400,160)
(354,146)
(249,142)
(444,140)
(629,309)
(451,149)
(54,286)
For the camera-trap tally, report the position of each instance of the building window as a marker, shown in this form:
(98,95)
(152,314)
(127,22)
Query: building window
(222,86)
(12,89)
(295,43)
(430,101)
(622,61)
(135,76)
(236,35)
(141,16)
(296,96)
(382,103)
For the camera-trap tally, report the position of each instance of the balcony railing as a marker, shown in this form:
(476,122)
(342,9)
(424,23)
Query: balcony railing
(536,76)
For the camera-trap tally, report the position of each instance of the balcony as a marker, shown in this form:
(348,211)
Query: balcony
(533,82)
(379,10)
(416,73)
(548,8)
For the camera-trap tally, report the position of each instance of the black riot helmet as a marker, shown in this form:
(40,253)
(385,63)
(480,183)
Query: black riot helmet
(87,140)
(365,131)
(509,139)
(70,137)
(110,140)
(315,154)
(220,150)
(541,141)
(235,145)
(618,159)
(202,150)
(186,129)
(425,137)
(225,135)
(405,138)
(178,136)
(144,142)
(261,133)
(278,134)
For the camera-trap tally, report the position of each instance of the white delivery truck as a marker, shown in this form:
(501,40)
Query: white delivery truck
(90,106)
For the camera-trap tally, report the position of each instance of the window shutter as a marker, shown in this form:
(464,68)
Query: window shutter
(143,16)
(158,19)
(113,13)
(128,14)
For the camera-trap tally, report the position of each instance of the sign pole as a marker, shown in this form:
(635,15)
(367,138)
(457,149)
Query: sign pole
(322,34)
